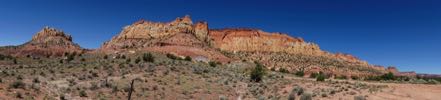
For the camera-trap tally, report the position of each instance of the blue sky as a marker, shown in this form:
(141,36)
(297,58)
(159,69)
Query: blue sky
(402,33)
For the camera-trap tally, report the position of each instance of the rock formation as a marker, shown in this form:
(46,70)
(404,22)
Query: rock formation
(254,40)
(258,40)
(180,37)
(183,38)
(278,50)
(47,42)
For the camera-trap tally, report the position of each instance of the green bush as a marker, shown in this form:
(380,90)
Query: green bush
(354,77)
(212,63)
(432,81)
(187,58)
(300,73)
(15,61)
(71,57)
(283,70)
(257,73)
(388,76)
(83,93)
(320,77)
(148,57)
(36,80)
(172,56)
(137,60)
(273,69)
(106,56)
(313,75)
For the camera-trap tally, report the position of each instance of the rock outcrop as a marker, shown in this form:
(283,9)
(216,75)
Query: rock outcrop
(278,50)
(47,42)
(180,37)
(254,40)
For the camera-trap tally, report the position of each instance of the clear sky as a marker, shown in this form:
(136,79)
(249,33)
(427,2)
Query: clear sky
(402,33)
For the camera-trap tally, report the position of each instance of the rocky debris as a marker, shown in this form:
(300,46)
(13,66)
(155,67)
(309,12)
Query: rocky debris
(47,42)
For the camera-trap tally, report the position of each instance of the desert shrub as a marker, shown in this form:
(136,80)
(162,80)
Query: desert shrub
(313,75)
(354,77)
(83,93)
(94,86)
(419,81)
(71,57)
(320,77)
(114,89)
(128,60)
(172,56)
(19,77)
(212,63)
(359,98)
(187,58)
(257,73)
(137,60)
(297,90)
(19,95)
(324,95)
(300,73)
(105,57)
(62,97)
(123,56)
(388,76)
(432,81)
(36,80)
(283,70)
(35,87)
(2,57)
(148,57)
(306,96)
(17,84)
(14,61)
(273,69)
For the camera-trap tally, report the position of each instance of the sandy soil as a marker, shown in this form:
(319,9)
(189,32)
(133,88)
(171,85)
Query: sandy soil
(408,92)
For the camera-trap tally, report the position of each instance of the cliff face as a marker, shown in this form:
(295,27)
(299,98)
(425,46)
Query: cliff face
(254,40)
(180,37)
(142,33)
(47,42)
(277,50)
(260,41)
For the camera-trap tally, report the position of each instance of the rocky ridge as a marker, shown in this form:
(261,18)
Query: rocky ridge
(183,38)
(47,42)
(180,37)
